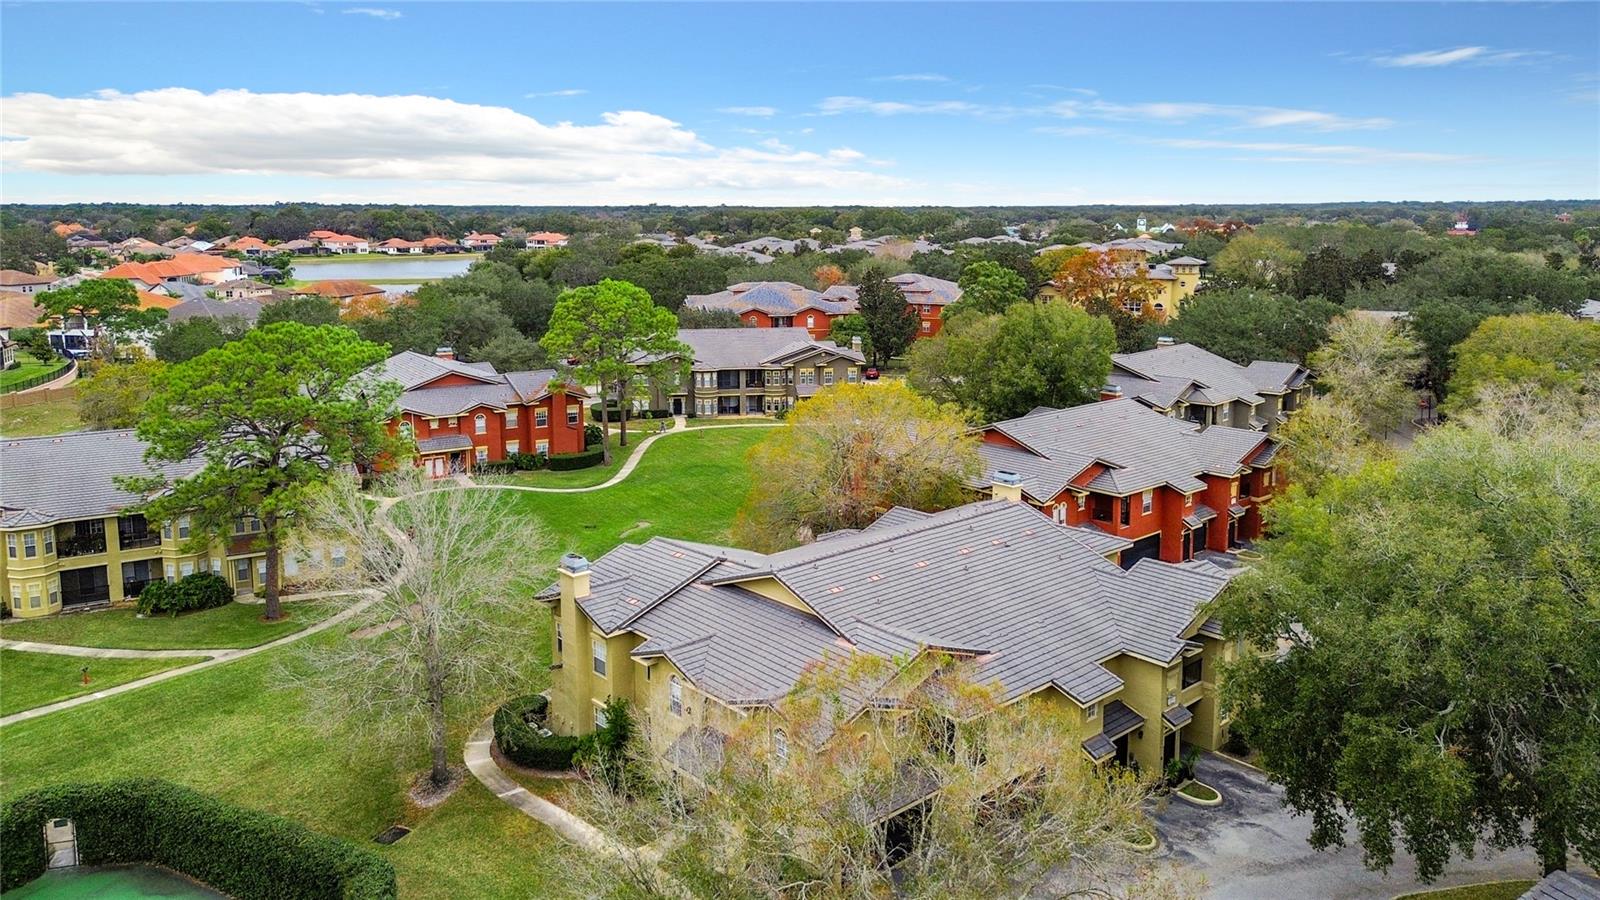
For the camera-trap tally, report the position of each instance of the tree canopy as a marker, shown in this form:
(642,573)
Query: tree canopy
(1369,364)
(1245,324)
(987,288)
(1438,682)
(1548,351)
(890,323)
(115,395)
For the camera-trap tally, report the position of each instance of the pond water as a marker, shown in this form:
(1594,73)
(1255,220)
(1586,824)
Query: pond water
(422,268)
(112,883)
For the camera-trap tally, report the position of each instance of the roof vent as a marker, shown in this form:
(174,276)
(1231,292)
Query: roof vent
(1165,341)
(574,563)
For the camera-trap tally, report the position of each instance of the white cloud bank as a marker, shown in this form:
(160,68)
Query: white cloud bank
(420,141)
(374,12)
(1451,56)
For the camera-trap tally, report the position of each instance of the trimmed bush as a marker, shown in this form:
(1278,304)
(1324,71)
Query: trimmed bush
(517,738)
(244,853)
(583,459)
(200,590)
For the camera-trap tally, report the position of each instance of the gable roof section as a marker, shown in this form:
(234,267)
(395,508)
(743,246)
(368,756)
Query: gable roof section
(753,348)
(775,298)
(183,265)
(415,373)
(72,476)
(1221,378)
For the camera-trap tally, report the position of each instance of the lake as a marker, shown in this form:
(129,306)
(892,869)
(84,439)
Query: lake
(422,268)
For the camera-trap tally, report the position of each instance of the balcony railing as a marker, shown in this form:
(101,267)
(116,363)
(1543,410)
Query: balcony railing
(138,541)
(80,546)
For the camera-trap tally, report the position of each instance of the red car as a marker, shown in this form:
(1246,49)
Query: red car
(872,373)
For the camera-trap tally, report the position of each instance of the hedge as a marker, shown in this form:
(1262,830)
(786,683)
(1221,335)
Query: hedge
(613,413)
(198,590)
(245,853)
(525,746)
(582,459)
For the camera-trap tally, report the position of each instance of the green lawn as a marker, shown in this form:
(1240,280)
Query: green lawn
(234,625)
(37,419)
(28,366)
(1494,890)
(732,420)
(34,679)
(1199,791)
(313,261)
(576,477)
(244,731)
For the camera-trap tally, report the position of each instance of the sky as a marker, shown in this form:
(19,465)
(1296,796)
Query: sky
(783,104)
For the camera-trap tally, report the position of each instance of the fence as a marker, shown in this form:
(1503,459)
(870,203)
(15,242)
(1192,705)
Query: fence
(43,395)
(44,377)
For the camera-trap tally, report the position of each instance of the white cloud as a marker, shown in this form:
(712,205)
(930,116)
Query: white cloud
(419,141)
(1157,112)
(915,76)
(374,12)
(564,92)
(1450,56)
(832,106)
(761,112)
(1283,151)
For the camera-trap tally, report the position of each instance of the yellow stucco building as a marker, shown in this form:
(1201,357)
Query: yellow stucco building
(1165,285)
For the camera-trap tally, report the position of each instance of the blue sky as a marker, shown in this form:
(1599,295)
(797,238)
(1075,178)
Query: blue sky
(788,103)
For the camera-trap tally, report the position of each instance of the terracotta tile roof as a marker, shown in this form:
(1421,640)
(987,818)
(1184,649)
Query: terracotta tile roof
(18,310)
(148,300)
(548,237)
(340,288)
(16,278)
(249,243)
(181,266)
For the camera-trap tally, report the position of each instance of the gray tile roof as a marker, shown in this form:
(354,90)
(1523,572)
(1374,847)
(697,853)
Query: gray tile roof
(987,578)
(1118,719)
(413,371)
(1142,448)
(1219,379)
(245,309)
(922,290)
(775,298)
(1561,885)
(1202,513)
(753,348)
(1178,716)
(444,443)
(72,476)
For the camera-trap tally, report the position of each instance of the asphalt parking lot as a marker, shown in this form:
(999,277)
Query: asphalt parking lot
(1252,847)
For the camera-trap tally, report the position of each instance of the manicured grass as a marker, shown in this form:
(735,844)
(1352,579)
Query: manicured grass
(309,261)
(234,625)
(35,679)
(248,732)
(28,366)
(732,420)
(576,477)
(1198,791)
(1494,890)
(37,419)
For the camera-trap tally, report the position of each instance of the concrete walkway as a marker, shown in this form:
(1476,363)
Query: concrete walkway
(480,761)
(218,657)
(679,426)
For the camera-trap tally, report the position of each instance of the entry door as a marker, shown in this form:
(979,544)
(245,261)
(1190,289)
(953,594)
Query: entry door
(435,467)
(1201,535)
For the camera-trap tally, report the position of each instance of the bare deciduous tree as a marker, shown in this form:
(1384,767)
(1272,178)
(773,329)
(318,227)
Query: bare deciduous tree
(447,574)
(1368,364)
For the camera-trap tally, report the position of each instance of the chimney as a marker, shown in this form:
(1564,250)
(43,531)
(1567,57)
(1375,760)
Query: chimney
(1165,341)
(445,353)
(574,571)
(855,343)
(1005,485)
(1110,392)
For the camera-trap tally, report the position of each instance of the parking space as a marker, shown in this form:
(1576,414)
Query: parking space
(1252,848)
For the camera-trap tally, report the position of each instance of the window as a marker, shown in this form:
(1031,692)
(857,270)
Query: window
(241,572)
(183,527)
(406,431)
(291,564)
(647,669)
(49,540)
(172,572)
(752,320)
(511,418)
(1188,499)
(561,643)
(1146,501)
(30,544)
(216,566)
(780,746)
(599,716)
(166,530)
(432,424)
(480,424)
(1060,514)
(541,448)
(807,376)
(34,600)
(1082,499)
(675,695)
(850,375)
(541,418)
(811,321)
(1172,698)
(16,596)
(55,592)
(513,447)
(1091,712)
(573,412)
(1223,413)
(451,421)
(827,376)
(261,570)
(927,327)
(481,454)
(1192,671)
(597,653)
(1124,504)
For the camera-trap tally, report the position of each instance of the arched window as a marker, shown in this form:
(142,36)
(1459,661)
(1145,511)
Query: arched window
(406,431)
(752,320)
(675,695)
(780,746)
(480,423)
(811,321)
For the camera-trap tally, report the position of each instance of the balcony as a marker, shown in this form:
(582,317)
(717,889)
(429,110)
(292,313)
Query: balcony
(138,541)
(85,545)
(80,596)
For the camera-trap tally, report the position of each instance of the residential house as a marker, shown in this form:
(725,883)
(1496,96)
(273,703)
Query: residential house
(1168,283)
(997,239)
(18,310)
(251,247)
(245,311)
(776,245)
(776,304)
(925,295)
(435,244)
(343,290)
(68,229)
(699,637)
(463,414)
(477,241)
(539,240)
(138,246)
(73,542)
(1463,228)
(334,242)
(299,247)
(195,268)
(1589,311)
(1175,489)
(246,289)
(754,371)
(20,282)
(398,247)
(1186,382)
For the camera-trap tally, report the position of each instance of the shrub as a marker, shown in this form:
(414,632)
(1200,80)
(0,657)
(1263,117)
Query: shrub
(200,590)
(583,459)
(592,435)
(244,853)
(521,742)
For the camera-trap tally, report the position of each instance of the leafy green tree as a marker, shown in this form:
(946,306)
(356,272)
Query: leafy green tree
(1547,351)
(1003,366)
(36,341)
(692,317)
(1257,260)
(182,341)
(1438,681)
(609,329)
(307,309)
(988,288)
(1244,324)
(850,452)
(24,245)
(269,416)
(1369,364)
(512,352)
(846,329)
(115,395)
(104,305)
(890,321)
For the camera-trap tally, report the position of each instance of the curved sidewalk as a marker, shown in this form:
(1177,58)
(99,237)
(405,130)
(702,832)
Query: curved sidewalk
(218,657)
(678,427)
(480,761)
